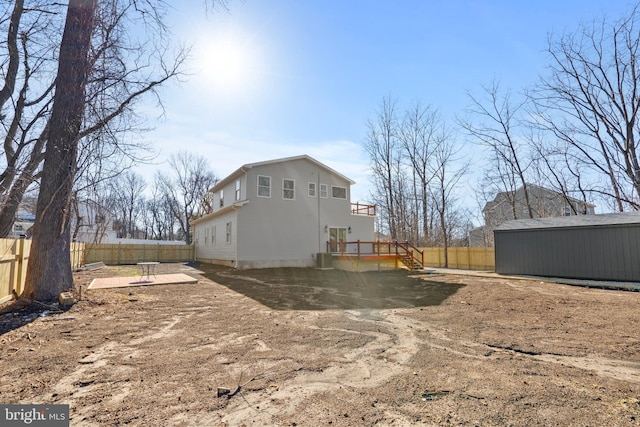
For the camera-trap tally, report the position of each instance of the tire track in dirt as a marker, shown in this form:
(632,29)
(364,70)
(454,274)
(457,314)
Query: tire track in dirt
(94,370)
(385,356)
(609,368)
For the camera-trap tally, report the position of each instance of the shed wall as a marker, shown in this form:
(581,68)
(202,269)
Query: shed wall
(596,253)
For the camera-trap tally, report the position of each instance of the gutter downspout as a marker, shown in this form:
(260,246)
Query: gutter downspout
(319,222)
(236,205)
(235,209)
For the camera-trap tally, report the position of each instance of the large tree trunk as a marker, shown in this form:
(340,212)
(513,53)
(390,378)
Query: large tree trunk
(49,269)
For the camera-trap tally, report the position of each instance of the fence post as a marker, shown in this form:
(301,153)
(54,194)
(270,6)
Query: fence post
(20,259)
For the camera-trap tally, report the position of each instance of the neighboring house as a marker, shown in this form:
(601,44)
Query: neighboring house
(508,206)
(280,213)
(22,225)
(93,223)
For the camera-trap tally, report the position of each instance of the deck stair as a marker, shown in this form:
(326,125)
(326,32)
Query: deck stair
(408,255)
(410,262)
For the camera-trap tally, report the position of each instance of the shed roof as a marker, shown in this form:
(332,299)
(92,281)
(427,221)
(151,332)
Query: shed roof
(601,220)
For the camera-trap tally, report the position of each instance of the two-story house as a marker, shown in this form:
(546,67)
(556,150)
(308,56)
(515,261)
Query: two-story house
(542,203)
(280,213)
(92,223)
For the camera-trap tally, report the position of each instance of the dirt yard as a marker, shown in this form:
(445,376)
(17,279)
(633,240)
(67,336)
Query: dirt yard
(303,347)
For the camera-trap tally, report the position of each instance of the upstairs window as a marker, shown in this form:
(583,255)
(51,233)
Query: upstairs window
(288,189)
(221,198)
(312,189)
(567,211)
(237,190)
(324,193)
(264,186)
(338,192)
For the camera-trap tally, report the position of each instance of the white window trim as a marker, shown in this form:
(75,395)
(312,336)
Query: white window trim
(315,189)
(285,189)
(228,231)
(238,192)
(339,198)
(258,186)
(326,191)
(213,235)
(221,194)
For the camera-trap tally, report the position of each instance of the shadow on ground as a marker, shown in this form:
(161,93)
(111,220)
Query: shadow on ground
(313,289)
(13,316)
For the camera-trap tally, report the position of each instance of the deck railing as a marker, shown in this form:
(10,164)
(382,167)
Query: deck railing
(398,249)
(363,209)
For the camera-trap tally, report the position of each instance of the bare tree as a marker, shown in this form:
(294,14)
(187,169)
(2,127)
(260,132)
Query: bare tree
(73,119)
(25,98)
(558,167)
(49,268)
(589,102)
(91,213)
(190,179)
(128,202)
(159,221)
(493,123)
(420,133)
(122,70)
(382,145)
(448,170)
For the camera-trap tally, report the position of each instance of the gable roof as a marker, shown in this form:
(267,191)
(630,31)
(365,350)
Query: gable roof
(242,169)
(502,196)
(600,220)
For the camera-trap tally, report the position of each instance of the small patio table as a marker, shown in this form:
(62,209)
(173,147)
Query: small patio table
(150,268)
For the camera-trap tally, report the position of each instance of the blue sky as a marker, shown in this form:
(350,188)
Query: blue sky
(278,78)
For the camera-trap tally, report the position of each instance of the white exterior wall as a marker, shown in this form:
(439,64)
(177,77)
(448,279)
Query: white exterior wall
(229,193)
(96,224)
(218,251)
(274,231)
(278,232)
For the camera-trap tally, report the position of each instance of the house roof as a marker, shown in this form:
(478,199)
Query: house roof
(501,197)
(600,220)
(238,172)
(219,212)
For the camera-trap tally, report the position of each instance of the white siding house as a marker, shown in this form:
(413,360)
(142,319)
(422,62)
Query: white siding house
(279,213)
(92,223)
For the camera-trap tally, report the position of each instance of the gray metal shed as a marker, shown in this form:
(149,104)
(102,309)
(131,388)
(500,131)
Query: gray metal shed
(596,247)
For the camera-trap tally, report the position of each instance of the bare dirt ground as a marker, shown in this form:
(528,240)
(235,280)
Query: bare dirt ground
(302,347)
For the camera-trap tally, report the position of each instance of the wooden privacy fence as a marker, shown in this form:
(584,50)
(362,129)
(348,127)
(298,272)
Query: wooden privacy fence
(464,258)
(14,257)
(119,253)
